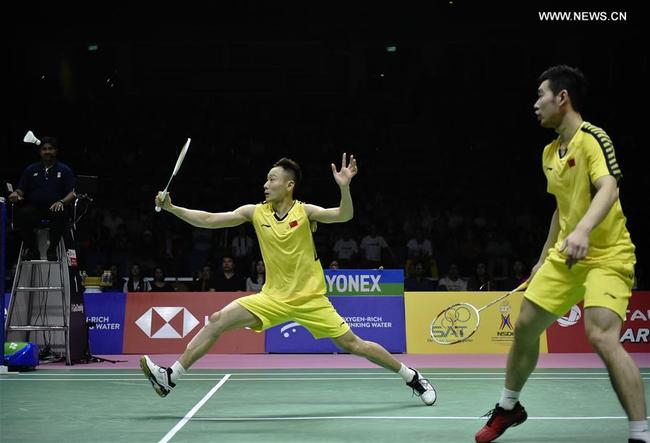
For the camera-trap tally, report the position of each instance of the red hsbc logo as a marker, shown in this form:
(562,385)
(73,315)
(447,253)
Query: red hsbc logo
(167,322)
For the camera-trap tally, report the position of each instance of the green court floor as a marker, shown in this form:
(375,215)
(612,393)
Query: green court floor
(345,405)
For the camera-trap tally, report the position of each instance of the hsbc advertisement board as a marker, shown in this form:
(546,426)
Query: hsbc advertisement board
(164,323)
(568,333)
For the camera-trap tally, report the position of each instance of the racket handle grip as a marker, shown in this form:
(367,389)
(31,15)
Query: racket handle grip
(164,196)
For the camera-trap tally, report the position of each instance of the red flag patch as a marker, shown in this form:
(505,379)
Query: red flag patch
(293,223)
(572,162)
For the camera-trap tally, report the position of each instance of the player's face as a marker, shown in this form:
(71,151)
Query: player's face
(547,108)
(278,184)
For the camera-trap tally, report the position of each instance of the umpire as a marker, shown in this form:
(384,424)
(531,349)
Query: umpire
(42,193)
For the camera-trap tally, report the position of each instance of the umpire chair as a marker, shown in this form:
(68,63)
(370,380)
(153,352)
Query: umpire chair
(42,289)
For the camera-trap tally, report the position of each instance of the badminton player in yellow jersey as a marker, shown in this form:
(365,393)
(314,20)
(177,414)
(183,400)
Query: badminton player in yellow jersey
(295,285)
(588,255)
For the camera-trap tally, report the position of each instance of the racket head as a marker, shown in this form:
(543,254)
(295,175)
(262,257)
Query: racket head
(181,156)
(454,324)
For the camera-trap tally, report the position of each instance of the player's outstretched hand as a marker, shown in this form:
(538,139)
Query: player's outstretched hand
(348,170)
(164,200)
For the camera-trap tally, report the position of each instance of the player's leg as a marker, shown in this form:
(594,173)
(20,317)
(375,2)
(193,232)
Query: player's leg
(524,353)
(233,316)
(608,291)
(603,328)
(522,359)
(378,355)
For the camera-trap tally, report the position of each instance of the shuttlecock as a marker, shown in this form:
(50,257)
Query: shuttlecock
(31,138)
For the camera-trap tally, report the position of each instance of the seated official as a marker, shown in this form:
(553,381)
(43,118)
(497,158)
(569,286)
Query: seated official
(43,191)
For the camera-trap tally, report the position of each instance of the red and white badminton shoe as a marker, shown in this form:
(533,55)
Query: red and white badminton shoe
(500,420)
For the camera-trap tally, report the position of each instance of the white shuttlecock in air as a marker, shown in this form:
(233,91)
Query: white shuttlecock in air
(31,138)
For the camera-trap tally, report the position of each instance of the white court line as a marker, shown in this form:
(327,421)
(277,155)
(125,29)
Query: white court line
(276,374)
(301,378)
(375,417)
(194,410)
(399,378)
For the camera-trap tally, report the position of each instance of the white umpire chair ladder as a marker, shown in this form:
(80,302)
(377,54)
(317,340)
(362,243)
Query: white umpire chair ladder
(40,296)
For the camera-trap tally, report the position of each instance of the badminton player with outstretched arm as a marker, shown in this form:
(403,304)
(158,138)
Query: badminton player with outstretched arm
(295,285)
(588,256)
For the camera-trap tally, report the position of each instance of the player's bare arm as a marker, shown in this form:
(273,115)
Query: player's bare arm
(345,211)
(203,219)
(576,244)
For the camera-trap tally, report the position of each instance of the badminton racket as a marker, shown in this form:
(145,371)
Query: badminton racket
(458,322)
(179,162)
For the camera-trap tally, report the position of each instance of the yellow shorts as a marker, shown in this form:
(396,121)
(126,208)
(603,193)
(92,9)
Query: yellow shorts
(556,288)
(316,314)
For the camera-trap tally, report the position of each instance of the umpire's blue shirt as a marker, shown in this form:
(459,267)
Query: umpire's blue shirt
(44,186)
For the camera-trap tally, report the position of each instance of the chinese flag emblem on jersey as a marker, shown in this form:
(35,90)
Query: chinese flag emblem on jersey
(572,162)
(293,223)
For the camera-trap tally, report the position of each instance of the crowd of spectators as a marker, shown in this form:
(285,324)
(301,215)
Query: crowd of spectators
(454,196)
(439,250)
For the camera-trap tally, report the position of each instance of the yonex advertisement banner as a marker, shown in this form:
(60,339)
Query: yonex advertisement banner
(370,300)
(494,336)
(368,282)
(164,323)
(568,333)
(105,319)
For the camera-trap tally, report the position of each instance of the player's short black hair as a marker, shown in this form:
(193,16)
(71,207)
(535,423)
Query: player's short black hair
(566,77)
(52,141)
(292,167)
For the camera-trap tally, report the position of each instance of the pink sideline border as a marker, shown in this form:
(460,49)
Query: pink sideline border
(345,361)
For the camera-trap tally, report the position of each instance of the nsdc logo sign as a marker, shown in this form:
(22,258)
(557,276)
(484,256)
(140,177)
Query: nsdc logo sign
(574,315)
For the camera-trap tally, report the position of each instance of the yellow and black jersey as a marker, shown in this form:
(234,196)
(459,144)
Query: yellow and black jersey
(589,156)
